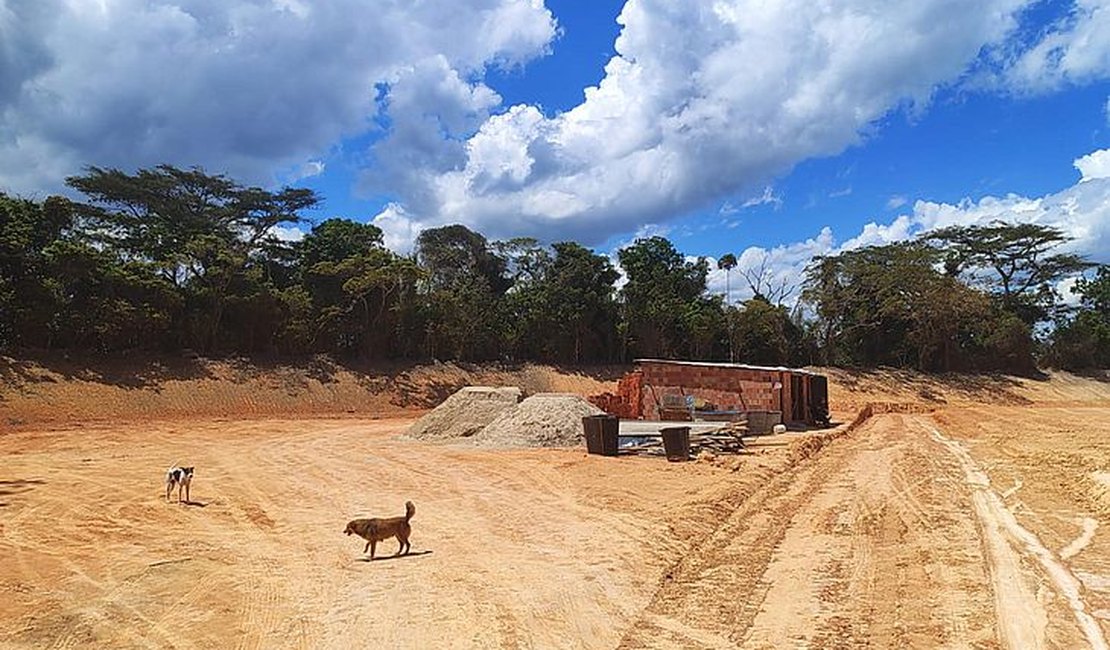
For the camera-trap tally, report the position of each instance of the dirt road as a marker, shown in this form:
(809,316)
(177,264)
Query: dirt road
(977,526)
(890,537)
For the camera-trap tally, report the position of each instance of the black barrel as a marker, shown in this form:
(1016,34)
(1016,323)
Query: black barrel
(601,434)
(676,443)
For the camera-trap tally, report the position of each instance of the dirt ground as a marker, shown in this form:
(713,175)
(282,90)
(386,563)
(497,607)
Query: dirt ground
(963,514)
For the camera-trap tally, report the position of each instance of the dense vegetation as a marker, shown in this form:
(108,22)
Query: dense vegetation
(170,259)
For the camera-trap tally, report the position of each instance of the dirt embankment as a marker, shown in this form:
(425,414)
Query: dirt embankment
(57,391)
(891,390)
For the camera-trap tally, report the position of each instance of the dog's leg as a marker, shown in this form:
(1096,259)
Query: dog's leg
(366,548)
(180,487)
(188,499)
(373,546)
(169,488)
(400,546)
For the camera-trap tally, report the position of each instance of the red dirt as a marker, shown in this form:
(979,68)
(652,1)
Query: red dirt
(951,512)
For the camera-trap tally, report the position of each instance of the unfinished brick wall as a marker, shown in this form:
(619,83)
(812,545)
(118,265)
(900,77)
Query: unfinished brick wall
(727,389)
(627,402)
(641,394)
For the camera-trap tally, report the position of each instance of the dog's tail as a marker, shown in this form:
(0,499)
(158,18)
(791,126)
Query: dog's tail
(410,510)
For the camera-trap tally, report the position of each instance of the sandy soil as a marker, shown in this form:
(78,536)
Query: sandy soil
(535,548)
(958,514)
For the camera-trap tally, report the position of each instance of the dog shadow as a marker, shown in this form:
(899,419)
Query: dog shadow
(383,558)
(195,504)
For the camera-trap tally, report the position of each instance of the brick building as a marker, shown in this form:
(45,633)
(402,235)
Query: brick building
(659,389)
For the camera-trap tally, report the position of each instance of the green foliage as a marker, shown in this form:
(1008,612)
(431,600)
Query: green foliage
(1083,340)
(207,236)
(890,305)
(167,258)
(29,298)
(662,301)
(456,255)
(764,334)
(1013,261)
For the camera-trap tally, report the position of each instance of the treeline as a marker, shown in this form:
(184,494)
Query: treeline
(169,259)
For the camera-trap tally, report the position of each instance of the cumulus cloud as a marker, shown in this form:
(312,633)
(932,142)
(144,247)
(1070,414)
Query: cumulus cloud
(703,100)
(1081,211)
(1074,50)
(1094,165)
(245,87)
(778,269)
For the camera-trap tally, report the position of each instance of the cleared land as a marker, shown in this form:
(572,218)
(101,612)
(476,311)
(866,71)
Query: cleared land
(973,514)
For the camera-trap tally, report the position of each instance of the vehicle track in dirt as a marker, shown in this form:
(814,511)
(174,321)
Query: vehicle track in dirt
(877,541)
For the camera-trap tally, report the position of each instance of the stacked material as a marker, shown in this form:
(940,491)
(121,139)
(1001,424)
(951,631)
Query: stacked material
(465,413)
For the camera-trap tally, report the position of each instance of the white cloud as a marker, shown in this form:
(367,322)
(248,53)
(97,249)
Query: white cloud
(1075,50)
(399,232)
(768,197)
(1094,165)
(1066,290)
(288,233)
(772,268)
(244,87)
(704,100)
(1081,211)
(896,201)
(307,170)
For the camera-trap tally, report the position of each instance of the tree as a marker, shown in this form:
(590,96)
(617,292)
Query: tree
(29,298)
(889,305)
(580,303)
(464,280)
(1083,340)
(1013,261)
(660,297)
(764,333)
(354,283)
(728,262)
(762,284)
(199,232)
(455,253)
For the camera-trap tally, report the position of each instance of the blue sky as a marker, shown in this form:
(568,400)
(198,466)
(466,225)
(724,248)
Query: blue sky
(776,130)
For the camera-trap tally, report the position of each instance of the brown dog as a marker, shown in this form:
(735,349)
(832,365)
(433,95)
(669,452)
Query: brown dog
(378,529)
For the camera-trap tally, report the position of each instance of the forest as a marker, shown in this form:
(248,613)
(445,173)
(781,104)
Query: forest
(168,260)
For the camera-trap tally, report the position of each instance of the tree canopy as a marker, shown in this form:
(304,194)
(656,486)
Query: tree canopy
(166,259)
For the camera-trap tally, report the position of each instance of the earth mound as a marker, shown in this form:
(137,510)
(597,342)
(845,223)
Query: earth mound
(465,413)
(542,420)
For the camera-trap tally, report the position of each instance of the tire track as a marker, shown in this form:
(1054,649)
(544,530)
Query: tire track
(1015,605)
(866,543)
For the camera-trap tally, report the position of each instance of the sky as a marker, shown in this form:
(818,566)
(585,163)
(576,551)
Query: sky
(775,130)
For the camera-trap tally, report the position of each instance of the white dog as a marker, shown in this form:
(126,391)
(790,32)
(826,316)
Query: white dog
(182,477)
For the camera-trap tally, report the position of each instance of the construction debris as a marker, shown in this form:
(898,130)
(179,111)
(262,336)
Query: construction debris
(724,440)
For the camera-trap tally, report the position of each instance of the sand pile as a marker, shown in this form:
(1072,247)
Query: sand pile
(465,413)
(543,420)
